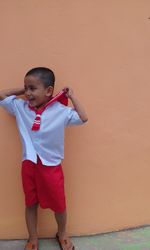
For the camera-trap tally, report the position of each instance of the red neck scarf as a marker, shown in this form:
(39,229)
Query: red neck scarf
(60,97)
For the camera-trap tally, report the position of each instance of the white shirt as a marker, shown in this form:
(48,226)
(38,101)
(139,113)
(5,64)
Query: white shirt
(48,141)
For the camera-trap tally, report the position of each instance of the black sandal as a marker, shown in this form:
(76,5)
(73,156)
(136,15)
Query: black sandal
(63,243)
(30,246)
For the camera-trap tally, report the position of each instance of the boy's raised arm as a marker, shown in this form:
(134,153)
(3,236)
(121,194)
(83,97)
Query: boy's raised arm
(9,92)
(77,105)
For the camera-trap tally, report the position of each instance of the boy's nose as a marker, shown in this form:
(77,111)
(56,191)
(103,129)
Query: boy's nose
(27,92)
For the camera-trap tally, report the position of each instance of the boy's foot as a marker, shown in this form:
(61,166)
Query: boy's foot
(64,243)
(31,245)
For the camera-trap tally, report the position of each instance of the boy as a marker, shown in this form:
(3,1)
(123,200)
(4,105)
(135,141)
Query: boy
(41,120)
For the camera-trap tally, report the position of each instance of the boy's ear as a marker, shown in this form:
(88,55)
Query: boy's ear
(49,91)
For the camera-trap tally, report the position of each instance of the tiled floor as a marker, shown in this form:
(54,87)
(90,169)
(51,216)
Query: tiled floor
(136,239)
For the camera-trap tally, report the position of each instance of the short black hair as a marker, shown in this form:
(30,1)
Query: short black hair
(46,75)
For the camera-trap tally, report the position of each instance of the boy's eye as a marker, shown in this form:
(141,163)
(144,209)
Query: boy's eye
(29,88)
(32,88)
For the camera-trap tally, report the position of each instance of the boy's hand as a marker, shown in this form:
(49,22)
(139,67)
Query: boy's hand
(77,106)
(68,91)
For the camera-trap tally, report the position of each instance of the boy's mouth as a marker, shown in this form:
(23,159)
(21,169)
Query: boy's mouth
(31,101)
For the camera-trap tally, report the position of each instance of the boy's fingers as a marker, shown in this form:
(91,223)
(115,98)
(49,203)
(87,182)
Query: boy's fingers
(66,89)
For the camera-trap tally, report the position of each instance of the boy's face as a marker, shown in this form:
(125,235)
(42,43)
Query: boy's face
(35,91)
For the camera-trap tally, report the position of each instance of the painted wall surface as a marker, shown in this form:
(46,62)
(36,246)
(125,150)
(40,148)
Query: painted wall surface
(102,49)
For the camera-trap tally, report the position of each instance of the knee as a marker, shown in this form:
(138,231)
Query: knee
(35,206)
(61,212)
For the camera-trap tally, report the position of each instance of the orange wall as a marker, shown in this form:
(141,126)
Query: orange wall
(101,49)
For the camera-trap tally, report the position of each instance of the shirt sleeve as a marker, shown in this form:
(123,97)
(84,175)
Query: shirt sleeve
(9,104)
(73,118)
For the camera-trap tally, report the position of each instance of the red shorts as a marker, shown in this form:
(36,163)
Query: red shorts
(43,185)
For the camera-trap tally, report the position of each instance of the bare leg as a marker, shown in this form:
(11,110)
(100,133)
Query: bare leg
(31,221)
(61,219)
